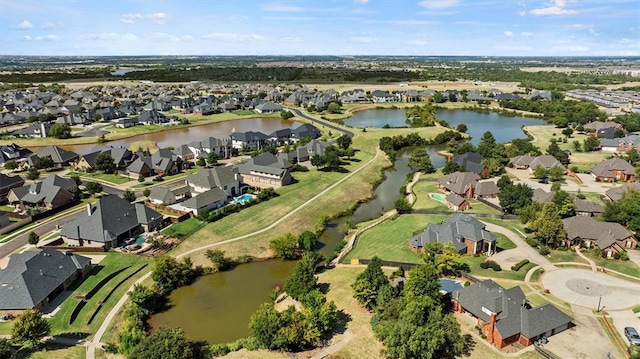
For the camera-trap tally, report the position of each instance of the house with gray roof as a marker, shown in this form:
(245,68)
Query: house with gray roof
(305,130)
(33,279)
(460,183)
(587,208)
(465,232)
(505,317)
(265,170)
(616,193)
(268,107)
(457,203)
(34,130)
(221,147)
(622,144)
(59,155)
(613,169)
(217,177)
(250,140)
(110,222)
(609,237)
(48,194)
(532,162)
(472,162)
(7,183)
(207,200)
(13,152)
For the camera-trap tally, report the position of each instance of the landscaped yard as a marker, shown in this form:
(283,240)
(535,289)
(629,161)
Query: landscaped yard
(390,239)
(565,256)
(505,273)
(103,177)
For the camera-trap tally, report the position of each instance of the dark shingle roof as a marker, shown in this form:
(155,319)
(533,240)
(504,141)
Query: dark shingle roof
(604,234)
(206,198)
(456,230)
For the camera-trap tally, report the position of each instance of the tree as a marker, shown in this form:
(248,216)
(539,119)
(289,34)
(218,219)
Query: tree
(303,280)
(577,146)
(462,128)
(33,173)
(170,274)
(564,203)
(129,196)
(548,225)
(218,260)
(555,151)
(286,114)
(201,162)
(318,161)
(146,192)
(308,241)
(141,178)
(264,326)
(333,107)
(625,211)
(423,280)
(146,299)
(513,197)
(540,173)
(451,167)
(369,283)
(567,131)
(30,327)
(344,142)
(11,165)
(76,179)
(93,188)
(402,205)
(487,145)
(59,130)
(5,348)
(556,173)
(504,181)
(212,158)
(443,257)
(285,246)
(166,343)
(632,156)
(44,162)
(105,163)
(421,161)
(438,97)
(591,144)
(33,238)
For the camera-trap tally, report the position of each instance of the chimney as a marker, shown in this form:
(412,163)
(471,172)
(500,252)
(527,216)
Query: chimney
(89,209)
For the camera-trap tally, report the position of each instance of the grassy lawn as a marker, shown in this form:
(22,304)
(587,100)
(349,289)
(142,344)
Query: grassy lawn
(565,256)
(245,112)
(113,261)
(53,351)
(103,177)
(626,267)
(183,229)
(503,243)
(148,145)
(424,201)
(389,240)
(505,273)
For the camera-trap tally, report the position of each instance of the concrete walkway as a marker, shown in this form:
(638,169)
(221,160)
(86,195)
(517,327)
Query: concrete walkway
(591,263)
(334,347)
(522,250)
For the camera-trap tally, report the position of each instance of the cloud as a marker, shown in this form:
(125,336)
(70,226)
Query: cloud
(25,25)
(410,22)
(130,18)
(162,37)
(27,37)
(290,39)
(363,39)
(231,37)
(282,8)
(48,25)
(187,38)
(438,4)
(159,17)
(508,34)
(361,2)
(571,48)
(553,8)
(417,42)
(111,36)
(49,37)
(526,34)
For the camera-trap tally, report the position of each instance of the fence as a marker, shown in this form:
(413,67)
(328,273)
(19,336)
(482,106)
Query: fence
(165,208)
(403,265)
(15,225)
(77,249)
(481,215)
(545,354)
(492,205)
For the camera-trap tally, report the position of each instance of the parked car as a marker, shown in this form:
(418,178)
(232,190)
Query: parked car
(632,335)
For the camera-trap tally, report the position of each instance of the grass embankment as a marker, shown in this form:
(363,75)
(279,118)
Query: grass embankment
(339,199)
(53,351)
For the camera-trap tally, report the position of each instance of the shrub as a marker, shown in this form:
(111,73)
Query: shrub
(624,256)
(299,168)
(562,249)
(496,267)
(245,258)
(467,283)
(616,256)
(544,250)
(531,241)
(158,179)
(516,267)
(484,265)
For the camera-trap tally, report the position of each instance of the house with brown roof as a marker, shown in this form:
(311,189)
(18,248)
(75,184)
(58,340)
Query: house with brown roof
(486,189)
(613,169)
(616,193)
(587,208)
(460,183)
(457,203)
(532,162)
(505,317)
(609,237)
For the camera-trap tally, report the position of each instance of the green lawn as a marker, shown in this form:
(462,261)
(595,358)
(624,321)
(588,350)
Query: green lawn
(389,240)
(111,263)
(626,267)
(565,256)
(53,351)
(183,229)
(505,273)
(245,112)
(503,243)
(111,178)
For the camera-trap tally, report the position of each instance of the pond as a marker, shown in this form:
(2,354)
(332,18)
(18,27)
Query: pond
(217,307)
(504,128)
(181,136)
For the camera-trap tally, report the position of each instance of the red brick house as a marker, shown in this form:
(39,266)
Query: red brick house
(613,169)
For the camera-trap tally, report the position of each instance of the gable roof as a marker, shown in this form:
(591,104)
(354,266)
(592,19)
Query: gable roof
(456,230)
(459,182)
(471,161)
(31,276)
(57,154)
(10,181)
(545,161)
(602,169)
(616,193)
(486,188)
(212,177)
(205,199)
(603,234)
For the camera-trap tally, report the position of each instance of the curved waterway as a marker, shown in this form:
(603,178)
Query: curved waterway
(175,137)
(217,307)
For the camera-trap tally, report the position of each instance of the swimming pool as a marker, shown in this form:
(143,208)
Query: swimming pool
(438,197)
(449,285)
(244,198)
(138,241)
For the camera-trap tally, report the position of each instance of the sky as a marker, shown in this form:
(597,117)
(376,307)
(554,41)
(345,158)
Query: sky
(321,27)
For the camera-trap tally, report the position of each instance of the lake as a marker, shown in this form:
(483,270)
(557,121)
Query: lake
(504,128)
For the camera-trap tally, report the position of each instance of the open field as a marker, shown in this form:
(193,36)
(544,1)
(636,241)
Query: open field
(113,179)
(53,351)
(418,85)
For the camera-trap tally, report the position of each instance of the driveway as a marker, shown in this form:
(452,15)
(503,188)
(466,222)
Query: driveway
(624,318)
(590,289)
(512,256)
(589,185)
(586,340)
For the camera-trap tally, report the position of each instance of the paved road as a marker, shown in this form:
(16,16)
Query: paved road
(328,124)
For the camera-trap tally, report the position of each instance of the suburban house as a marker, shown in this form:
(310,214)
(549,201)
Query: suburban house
(33,279)
(305,130)
(184,153)
(268,107)
(622,144)
(121,156)
(505,317)
(596,128)
(613,169)
(609,237)
(457,203)
(486,189)
(35,130)
(383,96)
(587,208)
(60,156)
(218,177)
(472,162)
(222,148)
(460,183)
(265,170)
(127,122)
(110,222)
(533,162)
(49,194)
(7,183)
(207,200)
(616,193)
(250,140)
(165,196)
(13,152)
(465,232)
